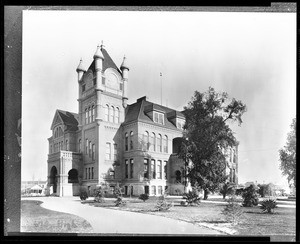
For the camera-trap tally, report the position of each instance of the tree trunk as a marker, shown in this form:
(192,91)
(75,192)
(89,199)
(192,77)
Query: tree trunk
(205,194)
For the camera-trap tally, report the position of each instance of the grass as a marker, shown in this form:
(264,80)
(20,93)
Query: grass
(281,225)
(34,218)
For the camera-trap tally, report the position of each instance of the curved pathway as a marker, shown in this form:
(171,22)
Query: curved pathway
(111,221)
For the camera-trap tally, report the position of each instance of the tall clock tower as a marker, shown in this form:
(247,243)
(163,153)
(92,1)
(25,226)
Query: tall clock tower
(102,102)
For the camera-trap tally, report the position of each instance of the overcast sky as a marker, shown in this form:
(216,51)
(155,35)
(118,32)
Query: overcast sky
(251,56)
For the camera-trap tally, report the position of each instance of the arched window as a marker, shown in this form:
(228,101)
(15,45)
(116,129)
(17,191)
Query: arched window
(165,144)
(153,140)
(146,140)
(117,115)
(90,115)
(159,143)
(112,111)
(86,116)
(106,112)
(93,113)
(90,149)
(131,140)
(158,166)
(153,171)
(126,141)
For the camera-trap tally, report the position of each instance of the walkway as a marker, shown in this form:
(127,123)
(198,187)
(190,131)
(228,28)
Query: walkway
(111,221)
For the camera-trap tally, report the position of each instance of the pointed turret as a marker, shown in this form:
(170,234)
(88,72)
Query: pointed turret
(98,53)
(80,70)
(124,67)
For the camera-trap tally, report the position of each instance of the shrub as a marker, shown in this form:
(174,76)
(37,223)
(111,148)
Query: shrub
(227,189)
(250,197)
(120,202)
(268,205)
(232,211)
(192,197)
(183,203)
(83,195)
(162,204)
(144,197)
(99,195)
(118,191)
(238,192)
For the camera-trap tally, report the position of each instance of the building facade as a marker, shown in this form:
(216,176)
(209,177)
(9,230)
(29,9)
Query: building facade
(110,142)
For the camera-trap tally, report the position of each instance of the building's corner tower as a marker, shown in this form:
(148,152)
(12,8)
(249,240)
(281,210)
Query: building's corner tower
(80,71)
(125,69)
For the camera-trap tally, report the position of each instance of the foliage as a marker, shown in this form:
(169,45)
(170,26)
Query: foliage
(268,205)
(162,204)
(178,192)
(83,195)
(232,211)
(288,156)
(183,203)
(264,190)
(192,197)
(227,189)
(118,191)
(239,191)
(120,202)
(99,195)
(250,196)
(144,197)
(206,134)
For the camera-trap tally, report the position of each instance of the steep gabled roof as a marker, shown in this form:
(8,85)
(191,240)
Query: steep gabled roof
(69,119)
(138,112)
(107,63)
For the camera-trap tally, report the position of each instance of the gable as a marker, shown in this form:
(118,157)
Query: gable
(56,120)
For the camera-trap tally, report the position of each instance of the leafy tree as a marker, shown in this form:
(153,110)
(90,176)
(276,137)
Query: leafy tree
(206,134)
(250,196)
(263,190)
(288,156)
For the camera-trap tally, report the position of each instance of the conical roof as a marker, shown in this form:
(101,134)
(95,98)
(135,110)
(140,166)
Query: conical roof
(80,67)
(124,64)
(98,53)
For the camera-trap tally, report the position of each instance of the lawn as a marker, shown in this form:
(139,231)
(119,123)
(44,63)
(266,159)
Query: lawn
(280,225)
(34,218)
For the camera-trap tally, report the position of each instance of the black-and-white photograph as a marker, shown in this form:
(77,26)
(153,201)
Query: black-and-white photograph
(159,123)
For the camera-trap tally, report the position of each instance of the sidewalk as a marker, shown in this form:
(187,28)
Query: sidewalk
(110,221)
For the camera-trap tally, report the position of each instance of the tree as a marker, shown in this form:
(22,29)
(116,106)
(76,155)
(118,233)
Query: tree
(206,134)
(288,156)
(227,189)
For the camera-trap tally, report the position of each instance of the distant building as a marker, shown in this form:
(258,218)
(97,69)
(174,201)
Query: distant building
(110,142)
(27,185)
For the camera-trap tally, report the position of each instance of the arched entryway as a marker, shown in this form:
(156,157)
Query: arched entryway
(73,176)
(177,144)
(53,178)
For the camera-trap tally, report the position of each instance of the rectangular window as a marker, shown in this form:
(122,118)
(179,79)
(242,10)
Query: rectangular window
(93,113)
(83,88)
(153,190)
(67,145)
(86,146)
(115,152)
(86,116)
(146,168)
(159,169)
(50,148)
(131,168)
(153,168)
(93,152)
(156,117)
(159,142)
(89,173)
(92,172)
(159,190)
(79,145)
(90,115)
(161,119)
(165,169)
(90,149)
(126,169)
(108,151)
(86,173)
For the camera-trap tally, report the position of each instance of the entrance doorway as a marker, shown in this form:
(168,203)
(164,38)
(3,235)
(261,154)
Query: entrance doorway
(146,189)
(53,178)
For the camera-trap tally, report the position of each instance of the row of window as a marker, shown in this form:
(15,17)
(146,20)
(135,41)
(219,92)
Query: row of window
(159,190)
(153,143)
(90,114)
(111,114)
(89,173)
(58,132)
(59,146)
(157,169)
(108,152)
(89,148)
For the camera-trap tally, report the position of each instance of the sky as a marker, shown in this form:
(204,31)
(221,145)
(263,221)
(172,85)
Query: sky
(251,56)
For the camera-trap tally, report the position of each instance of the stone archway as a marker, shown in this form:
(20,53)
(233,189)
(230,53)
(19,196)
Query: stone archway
(73,176)
(53,178)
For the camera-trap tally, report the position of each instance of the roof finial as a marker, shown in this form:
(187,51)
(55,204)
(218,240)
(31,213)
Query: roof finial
(102,44)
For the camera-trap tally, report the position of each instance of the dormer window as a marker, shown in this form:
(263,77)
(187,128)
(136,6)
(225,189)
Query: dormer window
(158,118)
(180,123)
